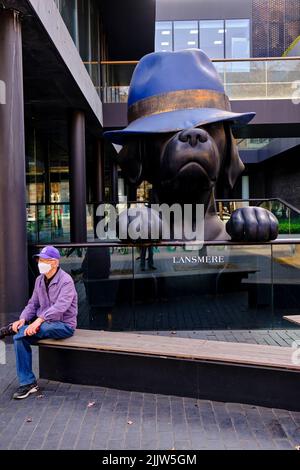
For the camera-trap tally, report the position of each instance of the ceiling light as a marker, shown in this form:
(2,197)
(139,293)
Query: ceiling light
(218,42)
(194,31)
(191,43)
(166,33)
(164,43)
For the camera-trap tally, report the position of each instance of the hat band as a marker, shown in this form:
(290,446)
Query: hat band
(177,100)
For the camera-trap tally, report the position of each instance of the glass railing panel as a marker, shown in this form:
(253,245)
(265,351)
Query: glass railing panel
(288,218)
(248,91)
(221,68)
(260,79)
(214,287)
(115,94)
(286,283)
(283,71)
(103,278)
(174,287)
(250,72)
(280,90)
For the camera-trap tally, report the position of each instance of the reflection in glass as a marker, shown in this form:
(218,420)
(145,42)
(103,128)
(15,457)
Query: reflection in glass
(103,279)
(215,287)
(232,287)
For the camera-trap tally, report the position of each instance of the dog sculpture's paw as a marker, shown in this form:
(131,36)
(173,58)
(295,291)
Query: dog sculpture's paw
(252,224)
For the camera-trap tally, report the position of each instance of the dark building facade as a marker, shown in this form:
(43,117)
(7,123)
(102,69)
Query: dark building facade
(275,25)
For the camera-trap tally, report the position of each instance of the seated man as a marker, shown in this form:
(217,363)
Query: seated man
(51,312)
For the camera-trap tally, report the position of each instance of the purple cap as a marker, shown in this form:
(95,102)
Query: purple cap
(49,252)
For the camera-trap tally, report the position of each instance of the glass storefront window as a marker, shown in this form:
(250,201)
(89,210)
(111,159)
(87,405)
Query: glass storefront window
(35,168)
(186,35)
(69,12)
(164,36)
(237,39)
(84,30)
(95,51)
(82,18)
(212,37)
(59,190)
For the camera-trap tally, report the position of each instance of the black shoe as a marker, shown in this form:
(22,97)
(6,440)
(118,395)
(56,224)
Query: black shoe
(6,331)
(25,391)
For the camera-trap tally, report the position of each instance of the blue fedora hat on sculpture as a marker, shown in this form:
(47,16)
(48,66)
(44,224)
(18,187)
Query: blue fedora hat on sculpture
(172,91)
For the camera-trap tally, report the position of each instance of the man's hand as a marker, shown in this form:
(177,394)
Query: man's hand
(34,327)
(17,325)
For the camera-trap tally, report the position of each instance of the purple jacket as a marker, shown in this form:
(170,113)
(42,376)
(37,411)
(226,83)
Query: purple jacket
(58,304)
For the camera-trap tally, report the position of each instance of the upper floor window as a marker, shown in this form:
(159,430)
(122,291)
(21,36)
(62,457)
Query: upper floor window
(164,36)
(237,39)
(218,38)
(212,38)
(186,35)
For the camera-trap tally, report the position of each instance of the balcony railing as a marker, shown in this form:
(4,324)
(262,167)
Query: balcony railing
(244,79)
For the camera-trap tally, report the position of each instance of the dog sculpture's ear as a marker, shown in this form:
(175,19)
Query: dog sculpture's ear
(232,164)
(130,160)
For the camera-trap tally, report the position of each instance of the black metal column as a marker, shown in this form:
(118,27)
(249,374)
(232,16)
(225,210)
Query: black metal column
(13,237)
(99,185)
(114,183)
(99,168)
(78,178)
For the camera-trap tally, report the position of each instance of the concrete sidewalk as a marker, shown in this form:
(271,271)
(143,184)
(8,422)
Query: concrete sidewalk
(65,416)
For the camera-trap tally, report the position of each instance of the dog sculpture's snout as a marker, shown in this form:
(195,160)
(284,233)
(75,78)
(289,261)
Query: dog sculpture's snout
(193,136)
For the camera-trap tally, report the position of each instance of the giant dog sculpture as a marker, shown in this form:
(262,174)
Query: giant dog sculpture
(179,138)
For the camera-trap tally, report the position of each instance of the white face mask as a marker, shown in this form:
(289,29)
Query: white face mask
(45,268)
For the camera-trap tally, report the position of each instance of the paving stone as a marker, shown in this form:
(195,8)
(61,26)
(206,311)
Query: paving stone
(63,420)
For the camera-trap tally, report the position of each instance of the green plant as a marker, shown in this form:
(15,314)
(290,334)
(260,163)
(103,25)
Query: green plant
(289,228)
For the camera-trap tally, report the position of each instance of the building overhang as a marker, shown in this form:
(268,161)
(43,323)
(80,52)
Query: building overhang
(274,118)
(54,74)
(273,149)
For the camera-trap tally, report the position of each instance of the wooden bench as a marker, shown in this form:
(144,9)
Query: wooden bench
(293,319)
(222,371)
